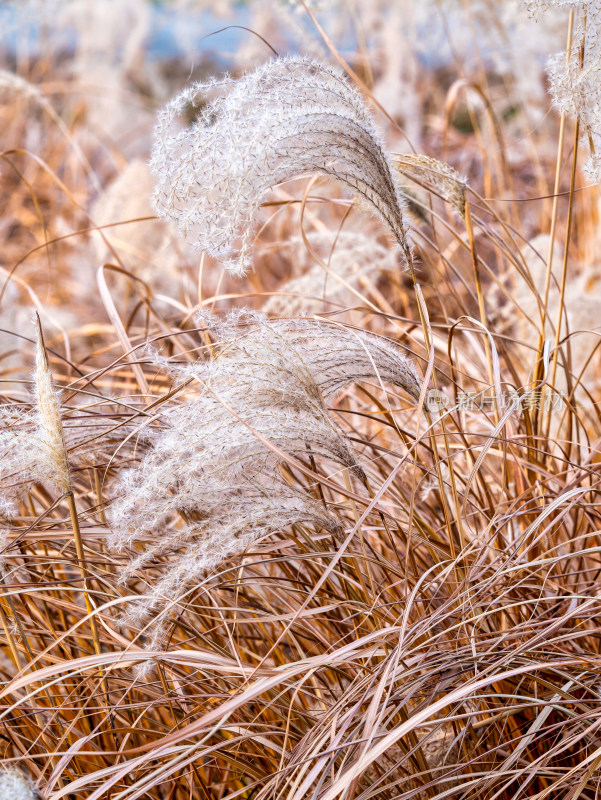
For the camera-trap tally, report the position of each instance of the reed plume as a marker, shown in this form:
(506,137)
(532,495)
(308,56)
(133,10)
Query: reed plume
(437,176)
(49,416)
(336,355)
(229,528)
(574,82)
(288,118)
(32,444)
(15,785)
(212,482)
(537,6)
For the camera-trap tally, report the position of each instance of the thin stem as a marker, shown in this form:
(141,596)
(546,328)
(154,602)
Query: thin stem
(554,214)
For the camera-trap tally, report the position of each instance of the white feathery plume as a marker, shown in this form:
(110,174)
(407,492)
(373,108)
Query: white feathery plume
(32,447)
(441,177)
(28,453)
(288,118)
(537,6)
(211,445)
(205,451)
(335,355)
(15,785)
(8,510)
(21,460)
(330,355)
(35,446)
(211,484)
(49,419)
(229,529)
(575,83)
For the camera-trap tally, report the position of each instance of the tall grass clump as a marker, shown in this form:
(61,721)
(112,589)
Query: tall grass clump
(311,510)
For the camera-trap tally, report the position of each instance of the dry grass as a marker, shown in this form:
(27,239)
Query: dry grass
(443,639)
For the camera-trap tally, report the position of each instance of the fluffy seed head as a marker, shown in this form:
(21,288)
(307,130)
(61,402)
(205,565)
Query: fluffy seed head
(441,177)
(335,355)
(15,785)
(49,416)
(211,483)
(575,86)
(230,528)
(288,118)
(32,447)
(535,7)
